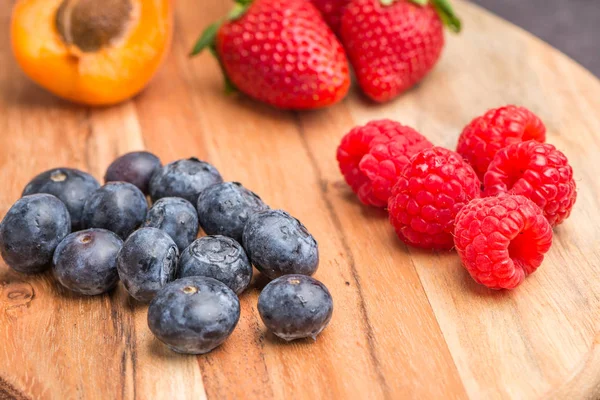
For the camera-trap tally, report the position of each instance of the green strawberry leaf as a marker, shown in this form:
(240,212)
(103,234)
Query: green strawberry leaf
(447,15)
(442,7)
(228,84)
(207,38)
(208,41)
(239,9)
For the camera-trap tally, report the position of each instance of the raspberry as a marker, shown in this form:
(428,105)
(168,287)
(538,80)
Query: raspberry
(432,189)
(371,158)
(537,171)
(496,129)
(501,240)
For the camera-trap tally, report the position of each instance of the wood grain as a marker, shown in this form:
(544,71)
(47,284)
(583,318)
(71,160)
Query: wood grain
(407,324)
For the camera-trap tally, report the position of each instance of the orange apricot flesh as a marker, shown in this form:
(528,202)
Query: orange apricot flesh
(109,68)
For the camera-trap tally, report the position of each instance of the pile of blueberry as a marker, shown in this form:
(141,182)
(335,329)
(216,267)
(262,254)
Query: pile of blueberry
(192,284)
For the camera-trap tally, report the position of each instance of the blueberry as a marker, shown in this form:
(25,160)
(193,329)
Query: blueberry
(224,209)
(117,206)
(136,168)
(31,230)
(71,186)
(86,261)
(194,315)
(183,178)
(295,307)
(278,244)
(177,217)
(147,262)
(217,257)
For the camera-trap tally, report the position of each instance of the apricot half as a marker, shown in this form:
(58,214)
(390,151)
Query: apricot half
(95,52)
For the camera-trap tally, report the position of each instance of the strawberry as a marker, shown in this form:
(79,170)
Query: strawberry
(332,11)
(280,52)
(393,44)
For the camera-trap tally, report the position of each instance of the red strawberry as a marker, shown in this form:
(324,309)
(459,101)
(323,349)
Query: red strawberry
(280,52)
(332,11)
(393,44)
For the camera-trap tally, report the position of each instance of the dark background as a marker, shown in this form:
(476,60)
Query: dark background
(572,26)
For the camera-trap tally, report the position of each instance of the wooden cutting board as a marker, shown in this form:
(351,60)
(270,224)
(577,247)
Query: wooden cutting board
(407,323)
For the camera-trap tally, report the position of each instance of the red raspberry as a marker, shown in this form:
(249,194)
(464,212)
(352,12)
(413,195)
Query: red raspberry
(537,171)
(501,240)
(432,189)
(371,158)
(496,129)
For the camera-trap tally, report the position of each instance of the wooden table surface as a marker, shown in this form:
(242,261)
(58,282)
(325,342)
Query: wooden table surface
(407,323)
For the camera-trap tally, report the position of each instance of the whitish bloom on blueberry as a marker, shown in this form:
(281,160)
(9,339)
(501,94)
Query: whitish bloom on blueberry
(31,230)
(183,178)
(224,209)
(147,262)
(117,206)
(136,168)
(175,216)
(86,261)
(295,307)
(278,244)
(217,257)
(71,186)
(194,315)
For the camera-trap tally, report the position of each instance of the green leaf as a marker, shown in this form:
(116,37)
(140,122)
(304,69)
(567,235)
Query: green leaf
(207,38)
(230,87)
(238,11)
(386,2)
(420,2)
(447,15)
